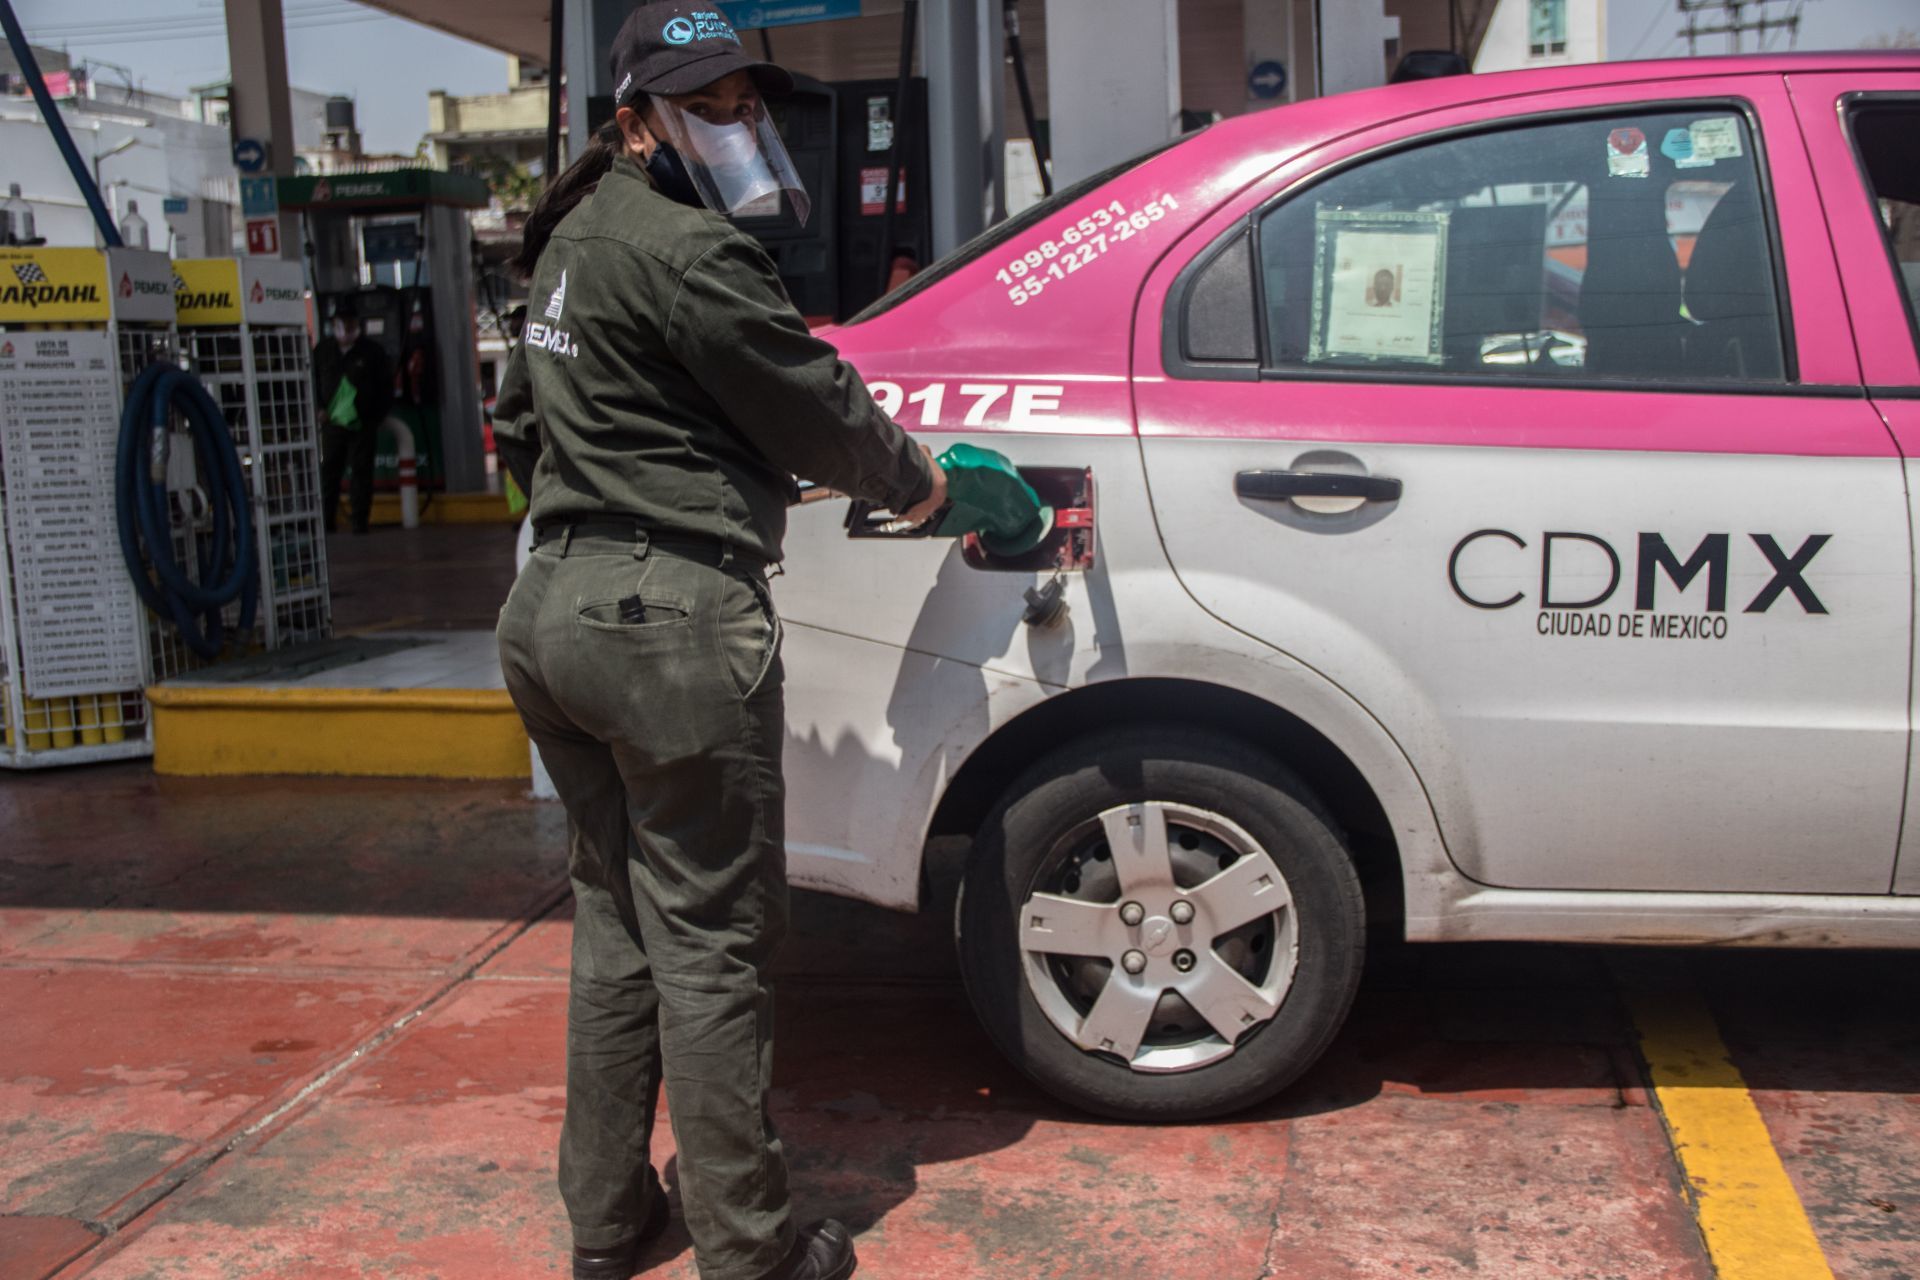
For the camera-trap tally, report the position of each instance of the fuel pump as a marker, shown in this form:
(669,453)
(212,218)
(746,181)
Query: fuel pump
(399,243)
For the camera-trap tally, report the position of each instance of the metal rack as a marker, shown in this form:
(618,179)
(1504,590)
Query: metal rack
(244,327)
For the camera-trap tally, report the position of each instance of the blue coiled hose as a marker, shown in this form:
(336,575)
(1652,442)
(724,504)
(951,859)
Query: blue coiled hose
(228,564)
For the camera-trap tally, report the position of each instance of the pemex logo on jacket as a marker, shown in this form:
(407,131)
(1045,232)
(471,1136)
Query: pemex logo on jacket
(545,337)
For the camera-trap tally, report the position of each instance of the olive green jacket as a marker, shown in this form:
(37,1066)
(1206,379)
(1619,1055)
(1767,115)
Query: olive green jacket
(664,377)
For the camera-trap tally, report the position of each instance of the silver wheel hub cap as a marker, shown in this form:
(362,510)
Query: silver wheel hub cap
(1159,934)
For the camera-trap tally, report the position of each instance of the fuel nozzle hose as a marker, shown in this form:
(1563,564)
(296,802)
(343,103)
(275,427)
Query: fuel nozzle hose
(226,557)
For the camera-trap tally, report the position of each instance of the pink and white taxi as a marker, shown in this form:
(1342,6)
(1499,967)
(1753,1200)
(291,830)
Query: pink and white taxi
(1486,510)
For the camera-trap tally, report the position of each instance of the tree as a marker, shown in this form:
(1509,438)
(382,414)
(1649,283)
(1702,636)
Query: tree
(1900,38)
(511,184)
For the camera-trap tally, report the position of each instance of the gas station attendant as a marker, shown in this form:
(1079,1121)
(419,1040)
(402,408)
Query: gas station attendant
(663,398)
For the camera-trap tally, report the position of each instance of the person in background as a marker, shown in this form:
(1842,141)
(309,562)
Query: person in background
(349,425)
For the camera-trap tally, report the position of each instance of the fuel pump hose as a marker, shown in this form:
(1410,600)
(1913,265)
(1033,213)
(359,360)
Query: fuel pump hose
(226,556)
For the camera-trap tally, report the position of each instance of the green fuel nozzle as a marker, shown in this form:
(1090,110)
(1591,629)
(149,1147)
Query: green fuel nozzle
(1032,520)
(988,497)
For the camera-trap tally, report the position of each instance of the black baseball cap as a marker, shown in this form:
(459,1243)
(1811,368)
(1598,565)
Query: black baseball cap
(677,47)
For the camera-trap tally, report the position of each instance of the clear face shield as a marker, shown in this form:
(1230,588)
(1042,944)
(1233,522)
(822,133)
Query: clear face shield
(740,168)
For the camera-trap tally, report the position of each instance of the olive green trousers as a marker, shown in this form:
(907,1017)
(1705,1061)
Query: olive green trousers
(662,725)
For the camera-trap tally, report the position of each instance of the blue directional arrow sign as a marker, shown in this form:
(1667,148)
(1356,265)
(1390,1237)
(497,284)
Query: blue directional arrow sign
(249,155)
(1267,80)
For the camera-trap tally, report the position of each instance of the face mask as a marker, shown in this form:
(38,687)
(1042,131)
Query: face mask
(670,178)
(722,146)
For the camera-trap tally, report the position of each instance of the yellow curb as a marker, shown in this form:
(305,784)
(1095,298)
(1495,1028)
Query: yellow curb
(208,730)
(1749,1214)
(446,508)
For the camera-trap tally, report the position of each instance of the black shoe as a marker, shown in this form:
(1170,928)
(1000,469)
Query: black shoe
(824,1251)
(620,1262)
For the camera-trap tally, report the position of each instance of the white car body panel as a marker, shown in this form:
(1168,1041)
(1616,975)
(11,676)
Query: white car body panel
(879,721)
(1770,761)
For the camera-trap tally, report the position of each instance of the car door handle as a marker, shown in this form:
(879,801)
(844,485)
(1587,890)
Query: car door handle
(1279,485)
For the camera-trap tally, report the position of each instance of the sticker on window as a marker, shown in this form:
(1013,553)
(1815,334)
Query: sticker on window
(1627,154)
(1677,146)
(1716,139)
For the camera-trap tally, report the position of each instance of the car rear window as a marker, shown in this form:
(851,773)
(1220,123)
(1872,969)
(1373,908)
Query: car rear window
(1001,232)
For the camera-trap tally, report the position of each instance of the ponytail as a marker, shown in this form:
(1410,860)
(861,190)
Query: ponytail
(564,192)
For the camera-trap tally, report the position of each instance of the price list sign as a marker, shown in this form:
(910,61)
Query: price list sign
(78,615)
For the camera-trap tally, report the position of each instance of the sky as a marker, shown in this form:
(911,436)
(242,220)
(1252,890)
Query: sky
(388,64)
(385,64)
(1648,28)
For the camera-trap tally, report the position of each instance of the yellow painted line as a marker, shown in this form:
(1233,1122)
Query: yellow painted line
(1752,1219)
(206,730)
(446,508)
(391,624)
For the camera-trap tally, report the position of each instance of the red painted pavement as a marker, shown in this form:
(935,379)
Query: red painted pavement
(453,576)
(179,961)
(1830,1047)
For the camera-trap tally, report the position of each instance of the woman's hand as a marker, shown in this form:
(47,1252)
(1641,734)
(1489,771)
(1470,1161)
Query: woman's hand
(936,498)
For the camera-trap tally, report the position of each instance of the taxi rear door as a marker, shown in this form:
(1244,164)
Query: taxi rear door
(1537,427)
(1863,136)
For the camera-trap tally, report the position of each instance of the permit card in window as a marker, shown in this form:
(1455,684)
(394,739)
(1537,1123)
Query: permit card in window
(1716,139)
(1379,286)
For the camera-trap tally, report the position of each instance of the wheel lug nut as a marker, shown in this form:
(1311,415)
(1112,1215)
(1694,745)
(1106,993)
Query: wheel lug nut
(1134,961)
(1182,912)
(1132,913)
(1182,960)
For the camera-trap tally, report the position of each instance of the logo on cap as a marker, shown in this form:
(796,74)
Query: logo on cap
(678,31)
(625,82)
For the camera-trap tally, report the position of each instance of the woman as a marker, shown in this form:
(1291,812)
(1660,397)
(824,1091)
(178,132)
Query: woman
(663,398)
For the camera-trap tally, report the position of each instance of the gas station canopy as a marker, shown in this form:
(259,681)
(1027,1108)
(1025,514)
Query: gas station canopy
(509,26)
(517,27)
(373,190)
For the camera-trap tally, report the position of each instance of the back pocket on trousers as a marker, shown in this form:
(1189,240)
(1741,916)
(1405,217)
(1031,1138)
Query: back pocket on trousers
(646,611)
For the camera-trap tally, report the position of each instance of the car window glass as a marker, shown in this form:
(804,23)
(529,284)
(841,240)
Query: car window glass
(1001,232)
(1888,138)
(1219,311)
(1629,247)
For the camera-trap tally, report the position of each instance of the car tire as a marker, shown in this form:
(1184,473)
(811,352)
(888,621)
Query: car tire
(1216,798)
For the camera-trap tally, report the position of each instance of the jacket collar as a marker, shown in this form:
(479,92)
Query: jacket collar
(627,167)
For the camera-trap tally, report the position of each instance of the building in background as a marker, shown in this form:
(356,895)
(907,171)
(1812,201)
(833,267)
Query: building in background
(1543,33)
(151,154)
(500,138)
(491,134)
(326,138)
